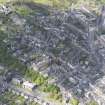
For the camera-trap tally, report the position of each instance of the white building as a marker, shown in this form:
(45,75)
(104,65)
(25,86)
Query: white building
(29,85)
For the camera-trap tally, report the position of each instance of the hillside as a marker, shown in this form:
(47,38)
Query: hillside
(60,52)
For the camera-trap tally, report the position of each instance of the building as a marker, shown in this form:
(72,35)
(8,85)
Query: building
(1,67)
(17,81)
(29,85)
(34,66)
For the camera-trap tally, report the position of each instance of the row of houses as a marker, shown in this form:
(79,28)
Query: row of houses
(97,91)
(28,97)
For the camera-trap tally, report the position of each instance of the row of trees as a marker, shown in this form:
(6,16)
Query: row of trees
(53,90)
(35,77)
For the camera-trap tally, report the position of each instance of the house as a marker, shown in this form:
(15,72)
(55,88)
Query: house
(34,66)
(29,85)
(17,81)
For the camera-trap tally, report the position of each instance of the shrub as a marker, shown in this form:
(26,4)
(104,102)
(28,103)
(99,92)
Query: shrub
(23,10)
(35,76)
(74,101)
(51,88)
(56,96)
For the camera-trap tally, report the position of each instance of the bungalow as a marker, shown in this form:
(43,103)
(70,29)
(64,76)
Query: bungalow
(29,85)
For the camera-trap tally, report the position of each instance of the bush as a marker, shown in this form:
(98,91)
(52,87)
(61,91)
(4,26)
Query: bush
(35,77)
(74,101)
(23,10)
(56,96)
(51,88)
